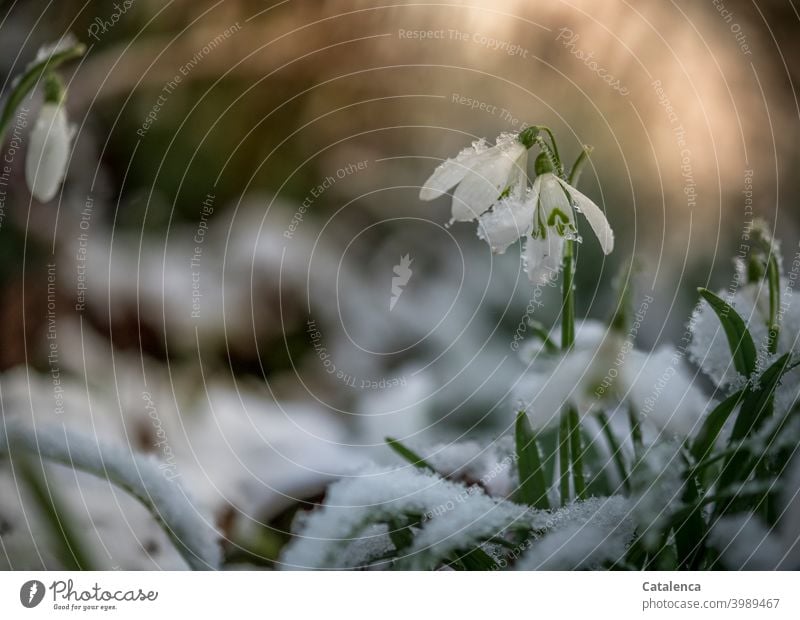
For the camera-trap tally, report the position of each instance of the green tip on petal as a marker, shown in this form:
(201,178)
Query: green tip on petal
(543,164)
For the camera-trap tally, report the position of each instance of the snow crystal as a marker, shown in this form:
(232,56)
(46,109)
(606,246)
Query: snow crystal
(383,495)
(586,534)
(657,481)
(477,518)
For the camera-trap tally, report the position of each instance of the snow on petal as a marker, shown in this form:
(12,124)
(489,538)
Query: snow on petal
(595,216)
(510,219)
(542,258)
(486,179)
(449,173)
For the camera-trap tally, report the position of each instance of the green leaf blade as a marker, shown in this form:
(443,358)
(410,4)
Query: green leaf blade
(409,455)
(533,485)
(739,339)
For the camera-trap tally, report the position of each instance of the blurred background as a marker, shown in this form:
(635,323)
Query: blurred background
(213,284)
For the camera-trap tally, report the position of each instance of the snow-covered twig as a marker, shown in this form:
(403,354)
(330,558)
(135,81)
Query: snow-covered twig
(191,531)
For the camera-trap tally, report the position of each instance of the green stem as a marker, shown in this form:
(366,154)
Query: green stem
(773,277)
(636,432)
(71,549)
(616,450)
(35,72)
(559,165)
(568,296)
(576,452)
(577,166)
(563,457)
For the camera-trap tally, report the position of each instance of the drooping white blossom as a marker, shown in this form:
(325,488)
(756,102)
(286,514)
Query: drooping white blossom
(481,174)
(48,152)
(544,216)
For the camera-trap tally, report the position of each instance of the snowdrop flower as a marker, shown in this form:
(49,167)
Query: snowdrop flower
(709,347)
(545,217)
(482,174)
(48,152)
(603,371)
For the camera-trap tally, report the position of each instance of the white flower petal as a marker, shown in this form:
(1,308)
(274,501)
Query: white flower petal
(509,220)
(552,198)
(542,258)
(486,179)
(595,216)
(48,152)
(450,172)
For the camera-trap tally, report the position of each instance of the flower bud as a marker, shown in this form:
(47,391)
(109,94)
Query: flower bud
(48,152)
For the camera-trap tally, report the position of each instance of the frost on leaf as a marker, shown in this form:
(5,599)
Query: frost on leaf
(444,515)
(585,535)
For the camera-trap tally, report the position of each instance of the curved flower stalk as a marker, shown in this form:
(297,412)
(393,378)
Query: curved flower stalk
(47,60)
(51,138)
(191,532)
